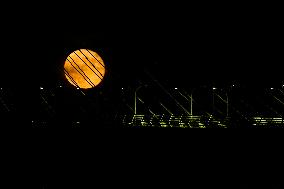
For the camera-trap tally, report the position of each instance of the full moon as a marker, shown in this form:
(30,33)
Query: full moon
(84,69)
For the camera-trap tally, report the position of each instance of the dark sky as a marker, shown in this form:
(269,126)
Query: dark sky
(178,45)
(216,49)
(204,42)
(177,51)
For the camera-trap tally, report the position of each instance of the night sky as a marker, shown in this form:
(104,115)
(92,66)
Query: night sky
(213,51)
(178,46)
(210,52)
(170,43)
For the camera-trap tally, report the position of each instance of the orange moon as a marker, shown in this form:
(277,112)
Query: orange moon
(84,68)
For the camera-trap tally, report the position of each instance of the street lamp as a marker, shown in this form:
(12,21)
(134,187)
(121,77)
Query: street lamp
(135,98)
(213,100)
(227,101)
(191,100)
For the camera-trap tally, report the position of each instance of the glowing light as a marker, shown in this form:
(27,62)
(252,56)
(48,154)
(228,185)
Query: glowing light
(180,121)
(41,88)
(271,88)
(214,88)
(176,88)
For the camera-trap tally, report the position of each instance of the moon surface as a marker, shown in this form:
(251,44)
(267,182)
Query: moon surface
(84,69)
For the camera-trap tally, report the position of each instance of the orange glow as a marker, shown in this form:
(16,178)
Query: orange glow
(84,68)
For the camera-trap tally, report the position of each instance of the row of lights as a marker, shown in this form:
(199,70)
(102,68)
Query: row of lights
(60,86)
(214,88)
